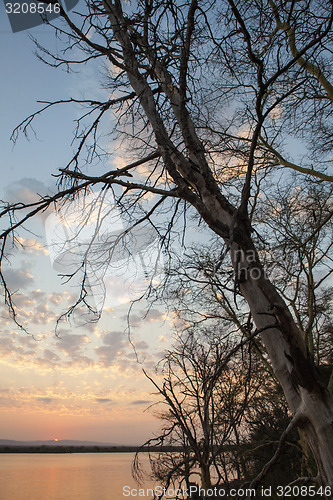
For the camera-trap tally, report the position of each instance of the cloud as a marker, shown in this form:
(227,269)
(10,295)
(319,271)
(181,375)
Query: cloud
(50,354)
(42,315)
(24,351)
(114,350)
(114,339)
(140,345)
(140,402)
(103,400)
(8,347)
(118,351)
(72,344)
(145,317)
(107,356)
(154,315)
(33,311)
(32,246)
(134,319)
(18,278)
(55,298)
(25,190)
(163,339)
(46,401)
(48,358)
(27,341)
(35,399)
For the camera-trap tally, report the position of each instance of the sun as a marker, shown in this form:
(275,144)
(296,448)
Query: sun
(56,439)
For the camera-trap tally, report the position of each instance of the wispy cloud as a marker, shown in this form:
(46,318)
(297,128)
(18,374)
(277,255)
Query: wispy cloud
(18,279)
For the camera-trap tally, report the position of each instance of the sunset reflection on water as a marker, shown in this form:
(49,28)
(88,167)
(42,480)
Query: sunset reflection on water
(81,476)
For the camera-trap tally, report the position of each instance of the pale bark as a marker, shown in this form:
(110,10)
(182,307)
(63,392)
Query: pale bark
(306,395)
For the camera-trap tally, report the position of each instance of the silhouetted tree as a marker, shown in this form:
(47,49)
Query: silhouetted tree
(205,95)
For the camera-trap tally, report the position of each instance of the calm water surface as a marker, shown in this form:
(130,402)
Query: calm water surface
(86,476)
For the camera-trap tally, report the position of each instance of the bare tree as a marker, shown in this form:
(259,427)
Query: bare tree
(206,94)
(298,253)
(208,392)
(297,256)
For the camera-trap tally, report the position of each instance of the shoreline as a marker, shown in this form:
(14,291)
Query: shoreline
(82,449)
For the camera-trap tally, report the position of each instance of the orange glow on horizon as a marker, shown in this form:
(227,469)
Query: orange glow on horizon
(55,439)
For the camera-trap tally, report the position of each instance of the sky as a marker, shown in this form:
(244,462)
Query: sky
(85,381)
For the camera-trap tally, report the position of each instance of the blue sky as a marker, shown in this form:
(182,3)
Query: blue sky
(86,384)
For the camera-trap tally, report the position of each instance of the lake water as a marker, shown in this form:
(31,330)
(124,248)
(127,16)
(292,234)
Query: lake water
(81,476)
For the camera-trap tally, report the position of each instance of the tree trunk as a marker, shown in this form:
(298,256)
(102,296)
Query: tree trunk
(206,482)
(306,394)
